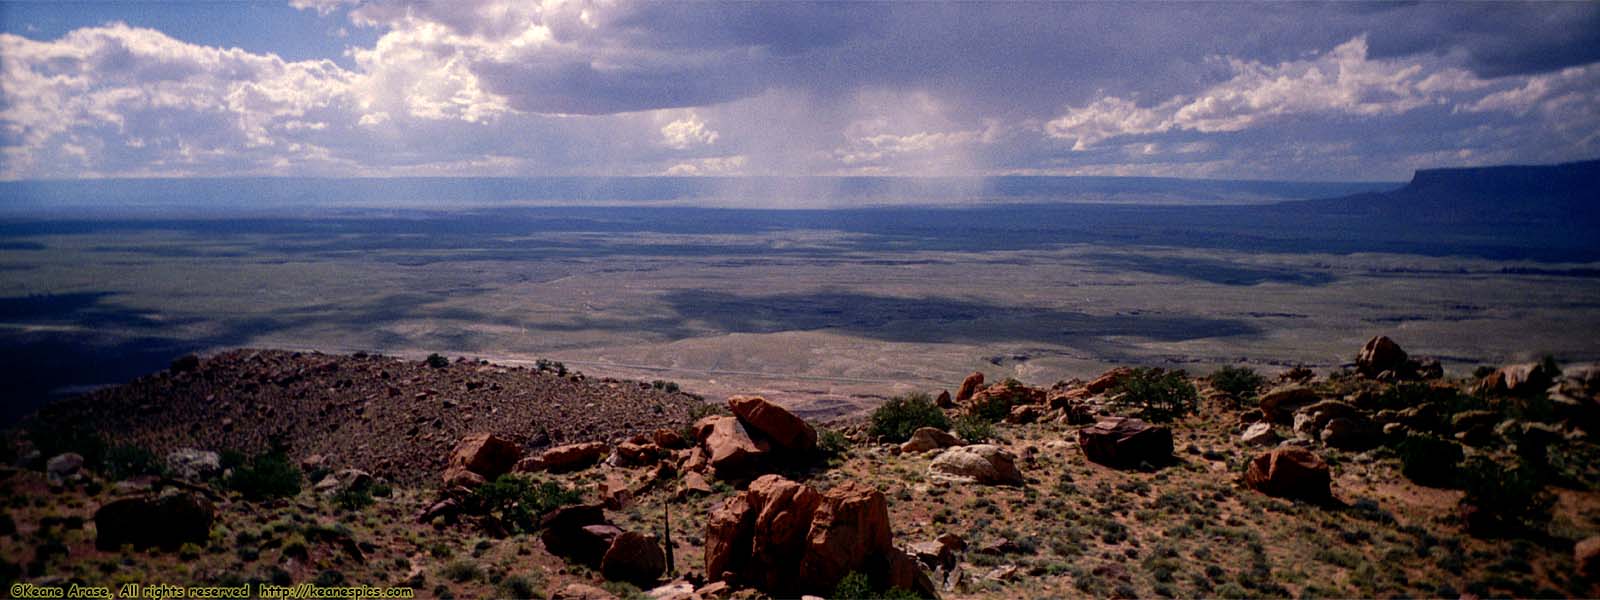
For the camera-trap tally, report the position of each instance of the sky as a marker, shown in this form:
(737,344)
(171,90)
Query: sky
(372,88)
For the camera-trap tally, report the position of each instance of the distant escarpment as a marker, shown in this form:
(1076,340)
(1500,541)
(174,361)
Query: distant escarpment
(1510,195)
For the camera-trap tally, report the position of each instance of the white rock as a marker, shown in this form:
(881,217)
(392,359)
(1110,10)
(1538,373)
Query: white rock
(980,463)
(1259,434)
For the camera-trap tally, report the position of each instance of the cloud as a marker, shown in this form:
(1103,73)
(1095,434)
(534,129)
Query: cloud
(716,165)
(120,99)
(1342,81)
(687,132)
(495,87)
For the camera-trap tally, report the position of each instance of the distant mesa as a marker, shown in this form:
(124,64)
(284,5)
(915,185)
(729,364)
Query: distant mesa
(1508,195)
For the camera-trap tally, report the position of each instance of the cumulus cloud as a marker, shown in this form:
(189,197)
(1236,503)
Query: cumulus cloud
(687,132)
(715,165)
(117,98)
(1342,81)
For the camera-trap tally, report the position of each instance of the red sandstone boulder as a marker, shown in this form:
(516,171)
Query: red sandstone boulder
(702,428)
(634,558)
(166,521)
(1280,403)
(669,439)
(1586,555)
(1108,380)
(928,438)
(481,457)
(1025,413)
(786,431)
(1289,472)
(578,532)
(572,457)
(786,539)
(756,536)
(733,452)
(638,451)
(1518,380)
(969,386)
(1381,354)
(1125,442)
(850,529)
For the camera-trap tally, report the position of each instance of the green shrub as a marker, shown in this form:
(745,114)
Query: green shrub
(1157,395)
(330,578)
(520,502)
(522,586)
(1429,460)
(857,585)
(1407,394)
(354,498)
(1516,494)
(123,462)
(974,429)
(437,361)
(897,418)
(556,367)
(232,459)
(269,475)
(461,571)
(295,545)
(831,443)
(708,409)
(854,585)
(1240,382)
(51,439)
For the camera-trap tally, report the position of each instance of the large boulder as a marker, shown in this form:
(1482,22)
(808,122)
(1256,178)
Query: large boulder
(63,466)
(1289,472)
(757,537)
(344,480)
(578,532)
(1259,434)
(481,457)
(969,386)
(1336,424)
(635,558)
(1107,380)
(1349,434)
(1382,354)
(638,451)
(979,463)
(785,539)
(781,427)
(1586,555)
(194,464)
(581,591)
(1125,442)
(850,529)
(928,438)
(1279,404)
(167,521)
(561,459)
(1518,380)
(734,453)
